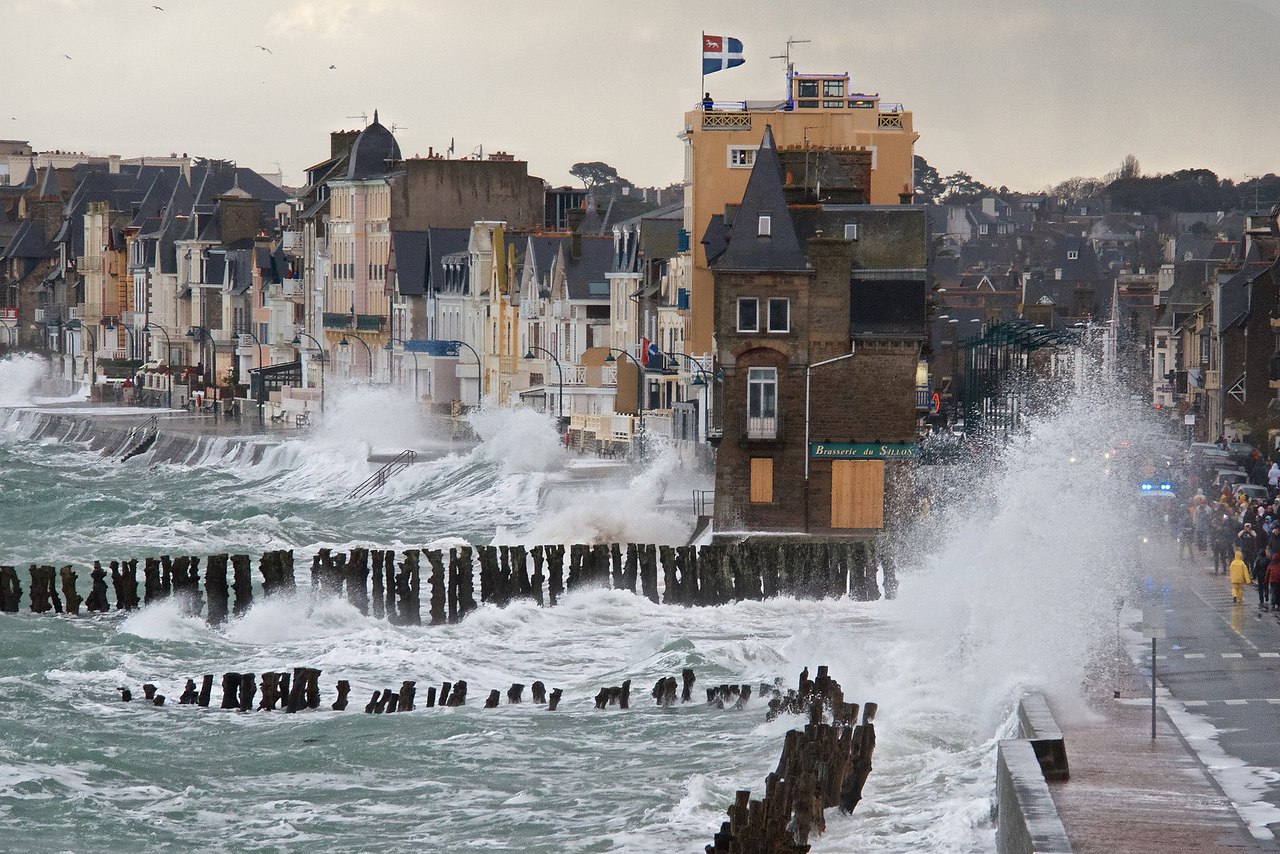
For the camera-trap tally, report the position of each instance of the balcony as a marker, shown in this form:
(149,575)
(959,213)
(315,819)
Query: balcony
(370,322)
(75,312)
(726,121)
(334,320)
(9,315)
(890,121)
(762,428)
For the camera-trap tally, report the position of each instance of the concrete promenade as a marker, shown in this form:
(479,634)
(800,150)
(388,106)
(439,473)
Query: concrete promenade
(1217,674)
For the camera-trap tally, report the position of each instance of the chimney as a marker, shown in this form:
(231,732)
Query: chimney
(905,197)
(573,218)
(240,215)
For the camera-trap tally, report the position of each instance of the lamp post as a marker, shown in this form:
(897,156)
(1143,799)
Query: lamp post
(93,353)
(261,378)
(345,343)
(479,370)
(414,354)
(111,327)
(199,334)
(168,348)
(320,357)
(641,382)
(559,370)
(702,379)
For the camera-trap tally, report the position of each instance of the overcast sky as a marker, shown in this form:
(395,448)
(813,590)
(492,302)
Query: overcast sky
(1017,92)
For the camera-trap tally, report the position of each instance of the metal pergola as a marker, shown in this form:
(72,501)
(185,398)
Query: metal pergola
(999,372)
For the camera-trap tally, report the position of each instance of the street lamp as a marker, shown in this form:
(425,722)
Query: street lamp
(479,370)
(320,357)
(168,348)
(93,354)
(111,327)
(559,370)
(703,379)
(414,354)
(642,381)
(345,343)
(261,377)
(200,335)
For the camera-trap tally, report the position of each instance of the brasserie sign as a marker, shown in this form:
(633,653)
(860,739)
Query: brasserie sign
(861,451)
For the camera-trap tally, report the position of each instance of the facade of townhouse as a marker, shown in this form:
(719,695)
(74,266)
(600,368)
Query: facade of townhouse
(820,112)
(825,296)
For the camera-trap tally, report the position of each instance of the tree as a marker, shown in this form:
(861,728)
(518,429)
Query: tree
(1077,191)
(928,182)
(594,173)
(960,188)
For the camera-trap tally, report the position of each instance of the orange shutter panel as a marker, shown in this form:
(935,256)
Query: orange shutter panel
(761,480)
(857,493)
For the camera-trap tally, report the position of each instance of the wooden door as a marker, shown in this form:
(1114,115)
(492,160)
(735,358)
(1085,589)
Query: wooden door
(761,480)
(857,493)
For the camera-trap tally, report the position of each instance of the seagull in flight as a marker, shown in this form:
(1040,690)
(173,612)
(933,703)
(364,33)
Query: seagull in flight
(158,8)
(261,47)
(331,67)
(67,55)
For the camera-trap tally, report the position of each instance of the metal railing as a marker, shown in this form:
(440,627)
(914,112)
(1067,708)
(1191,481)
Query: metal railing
(890,121)
(379,479)
(762,428)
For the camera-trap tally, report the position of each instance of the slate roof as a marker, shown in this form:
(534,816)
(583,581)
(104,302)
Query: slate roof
(411,250)
(781,250)
(444,242)
(589,267)
(373,152)
(28,242)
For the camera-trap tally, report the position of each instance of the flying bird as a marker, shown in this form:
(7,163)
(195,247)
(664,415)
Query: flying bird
(68,56)
(158,8)
(260,47)
(331,67)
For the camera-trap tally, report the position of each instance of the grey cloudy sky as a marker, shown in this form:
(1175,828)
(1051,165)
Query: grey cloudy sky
(1016,92)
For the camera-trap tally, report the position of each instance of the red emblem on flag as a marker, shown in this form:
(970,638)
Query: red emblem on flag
(712,44)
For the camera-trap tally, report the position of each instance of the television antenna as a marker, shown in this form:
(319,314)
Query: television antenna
(786,55)
(363,117)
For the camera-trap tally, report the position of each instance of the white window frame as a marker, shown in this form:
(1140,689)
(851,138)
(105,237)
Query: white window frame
(1073,254)
(983,228)
(850,231)
(762,403)
(786,303)
(764,226)
(740,156)
(755,301)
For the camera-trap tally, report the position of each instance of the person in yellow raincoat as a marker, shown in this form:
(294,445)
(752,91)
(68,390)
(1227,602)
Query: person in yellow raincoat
(1239,577)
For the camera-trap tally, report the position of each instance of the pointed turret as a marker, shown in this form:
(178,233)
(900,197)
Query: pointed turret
(762,236)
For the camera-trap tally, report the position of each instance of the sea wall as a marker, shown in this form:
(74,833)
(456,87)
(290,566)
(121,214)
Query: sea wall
(1027,820)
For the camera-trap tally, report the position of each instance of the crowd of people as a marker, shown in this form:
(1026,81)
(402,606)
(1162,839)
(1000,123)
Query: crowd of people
(1243,537)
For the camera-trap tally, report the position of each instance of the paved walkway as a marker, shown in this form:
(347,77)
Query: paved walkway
(1217,678)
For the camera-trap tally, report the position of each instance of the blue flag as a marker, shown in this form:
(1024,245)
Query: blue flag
(719,53)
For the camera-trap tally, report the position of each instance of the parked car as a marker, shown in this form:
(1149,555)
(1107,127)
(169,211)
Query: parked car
(1252,491)
(1230,476)
(1240,452)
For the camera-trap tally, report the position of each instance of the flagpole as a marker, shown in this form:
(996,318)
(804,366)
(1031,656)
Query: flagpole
(702,80)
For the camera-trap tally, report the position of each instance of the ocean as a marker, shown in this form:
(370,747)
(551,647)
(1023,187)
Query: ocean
(1009,581)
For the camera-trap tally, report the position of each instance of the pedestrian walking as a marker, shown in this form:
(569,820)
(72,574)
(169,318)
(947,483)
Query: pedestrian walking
(1239,578)
(1273,581)
(1224,541)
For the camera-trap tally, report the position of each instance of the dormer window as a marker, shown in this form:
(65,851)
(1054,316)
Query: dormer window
(764,228)
(1072,255)
(850,231)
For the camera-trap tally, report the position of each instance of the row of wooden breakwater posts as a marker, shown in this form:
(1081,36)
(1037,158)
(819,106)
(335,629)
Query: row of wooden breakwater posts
(692,575)
(826,764)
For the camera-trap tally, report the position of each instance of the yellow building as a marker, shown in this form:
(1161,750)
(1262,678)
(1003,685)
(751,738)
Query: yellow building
(821,112)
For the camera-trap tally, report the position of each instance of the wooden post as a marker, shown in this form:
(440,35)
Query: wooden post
(357,579)
(555,585)
(408,692)
(241,583)
(69,593)
(520,573)
(599,563)
(889,563)
(859,589)
(686,694)
(389,579)
(206,688)
(466,583)
(459,695)
(670,582)
(344,688)
(379,600)
(431,697)
(538,577)
(231,690)
(445,688)
(408,587)
(488,573)
(248,687)
(438,590)
(539,692)
(554,702)
(649,571)
(97,599)
(630,568)
(189,694)
(10,590)
(615,558)
(215,588)
(492,702)
(166,576)
(270,691)
(577,556)
(515,693)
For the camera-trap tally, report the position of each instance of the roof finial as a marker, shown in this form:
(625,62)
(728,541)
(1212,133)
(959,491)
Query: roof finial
(375,116)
